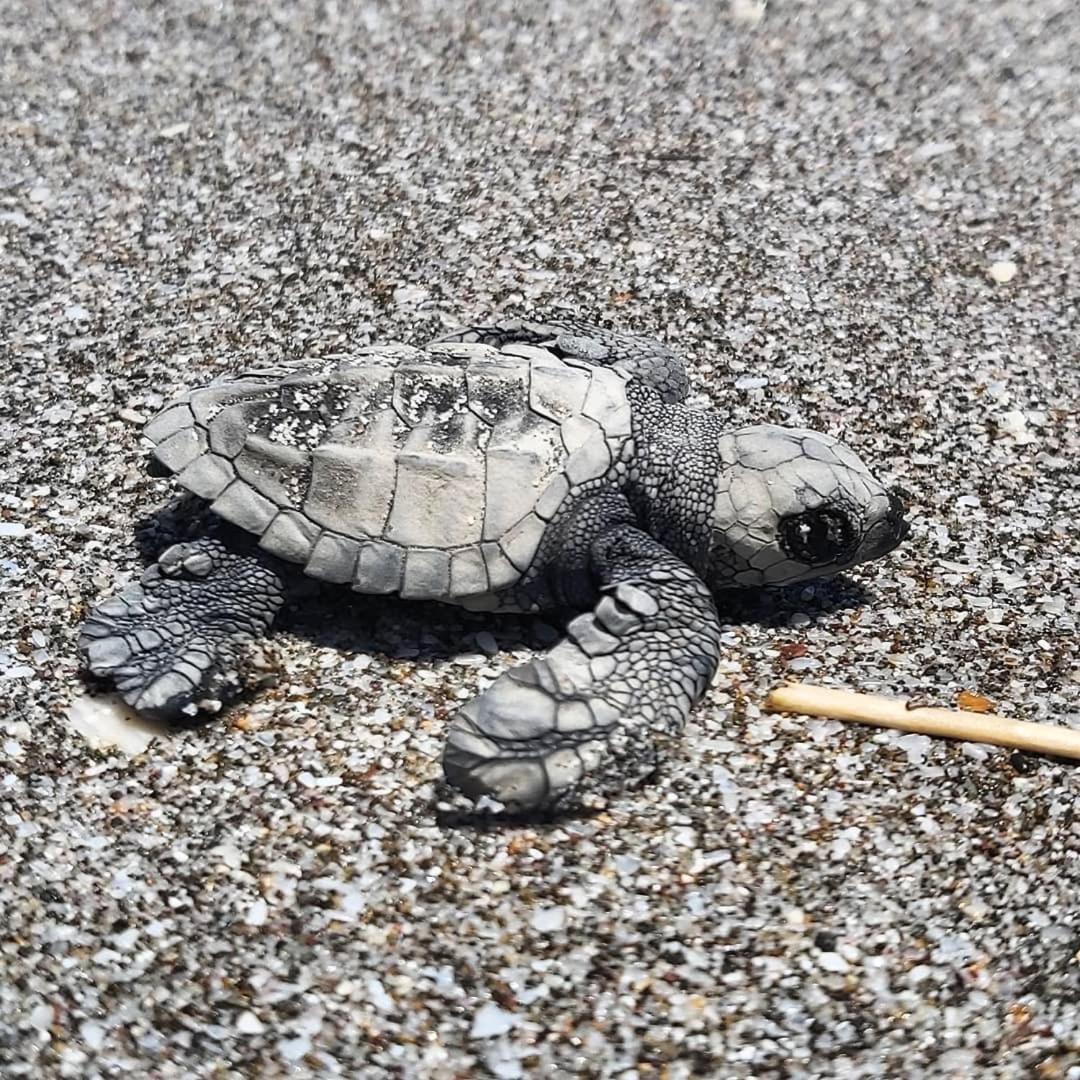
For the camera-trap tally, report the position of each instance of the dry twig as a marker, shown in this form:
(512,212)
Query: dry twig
(950,723)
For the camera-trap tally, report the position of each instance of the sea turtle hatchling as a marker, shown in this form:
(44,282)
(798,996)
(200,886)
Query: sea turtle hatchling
(522,466)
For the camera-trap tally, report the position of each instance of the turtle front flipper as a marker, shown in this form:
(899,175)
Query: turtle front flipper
(174,637)
(592,714)
(642,358)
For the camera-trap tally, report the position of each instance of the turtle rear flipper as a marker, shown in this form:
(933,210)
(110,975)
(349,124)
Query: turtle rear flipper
(591,714)
(173,638)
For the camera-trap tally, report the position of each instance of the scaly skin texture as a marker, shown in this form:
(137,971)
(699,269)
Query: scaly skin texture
(672,477)
(591,715)
(174,637)
(684,506)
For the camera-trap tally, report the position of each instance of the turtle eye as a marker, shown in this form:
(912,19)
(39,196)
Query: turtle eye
(818,537)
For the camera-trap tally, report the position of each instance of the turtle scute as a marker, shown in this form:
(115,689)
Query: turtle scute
(431,473)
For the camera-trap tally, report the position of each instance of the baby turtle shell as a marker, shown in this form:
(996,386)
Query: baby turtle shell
(429,473)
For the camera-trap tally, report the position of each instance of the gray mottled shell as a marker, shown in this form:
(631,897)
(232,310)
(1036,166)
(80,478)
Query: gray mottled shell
(429,473)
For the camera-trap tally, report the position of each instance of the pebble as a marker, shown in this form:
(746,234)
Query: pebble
(1003,271)
(256,913)
(247,1023)
(41,1017)
(548,920)
(751,382)
(105,721)
(292,1050)
(833,962)
(747,12)
(92,1035)
(490,1021)
(378,996)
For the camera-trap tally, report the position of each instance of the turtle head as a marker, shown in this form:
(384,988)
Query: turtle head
(792,505)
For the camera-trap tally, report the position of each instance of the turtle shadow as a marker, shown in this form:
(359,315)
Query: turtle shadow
(183,517)
(772,608)
(483,820)
(407,629)
(333,616)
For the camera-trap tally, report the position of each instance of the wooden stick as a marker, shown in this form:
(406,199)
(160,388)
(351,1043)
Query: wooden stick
(950,723)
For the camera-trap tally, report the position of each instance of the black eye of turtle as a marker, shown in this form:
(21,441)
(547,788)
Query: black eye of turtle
(818,536)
